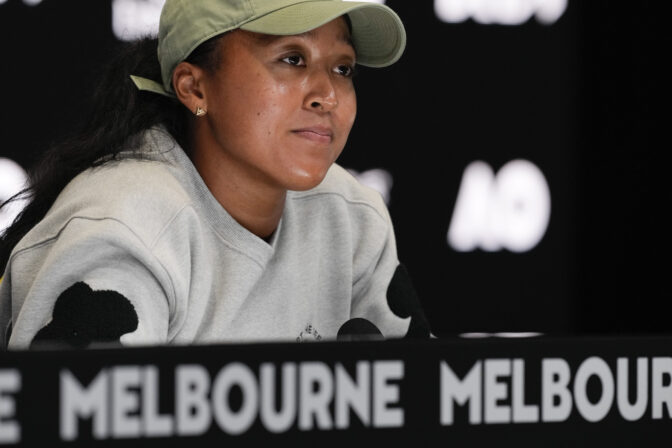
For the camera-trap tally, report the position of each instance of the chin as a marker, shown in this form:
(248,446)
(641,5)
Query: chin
(307,180)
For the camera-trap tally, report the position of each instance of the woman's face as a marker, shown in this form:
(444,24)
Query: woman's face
(280,108)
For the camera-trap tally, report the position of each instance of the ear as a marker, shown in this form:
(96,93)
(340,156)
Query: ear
(188,82)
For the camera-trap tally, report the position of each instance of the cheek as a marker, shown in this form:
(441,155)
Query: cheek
(269,107)
(353,113)
(349,110)
(250,112)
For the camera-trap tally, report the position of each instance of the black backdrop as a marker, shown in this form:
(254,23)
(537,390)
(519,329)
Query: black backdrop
(576,98)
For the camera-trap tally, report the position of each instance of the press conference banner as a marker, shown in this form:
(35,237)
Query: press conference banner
(453,392)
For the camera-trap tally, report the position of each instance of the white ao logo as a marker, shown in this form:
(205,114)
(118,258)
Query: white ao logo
(133,19)
(508,211)
(27,2)
(12,180)
(501,12)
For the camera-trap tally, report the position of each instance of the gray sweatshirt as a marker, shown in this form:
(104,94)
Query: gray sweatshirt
(138,251)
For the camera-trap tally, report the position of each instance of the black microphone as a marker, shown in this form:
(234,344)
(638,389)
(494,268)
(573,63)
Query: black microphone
(359,329)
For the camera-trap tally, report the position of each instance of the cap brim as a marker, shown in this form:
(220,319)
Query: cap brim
(377,32)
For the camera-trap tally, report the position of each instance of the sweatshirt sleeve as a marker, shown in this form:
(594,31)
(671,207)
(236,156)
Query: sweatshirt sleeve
(384,294)
(95,283)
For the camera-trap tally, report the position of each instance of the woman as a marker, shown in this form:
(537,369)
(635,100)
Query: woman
(207,207)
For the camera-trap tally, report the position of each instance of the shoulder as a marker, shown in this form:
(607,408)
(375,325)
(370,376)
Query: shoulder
(141,193)
(147,172)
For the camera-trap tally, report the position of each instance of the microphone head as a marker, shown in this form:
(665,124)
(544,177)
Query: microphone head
(359,329)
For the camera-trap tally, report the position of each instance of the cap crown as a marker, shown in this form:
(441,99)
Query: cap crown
(186,24)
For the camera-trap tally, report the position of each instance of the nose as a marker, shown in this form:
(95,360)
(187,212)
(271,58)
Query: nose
(321,95)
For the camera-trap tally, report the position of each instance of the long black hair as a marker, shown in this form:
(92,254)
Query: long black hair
(120,113)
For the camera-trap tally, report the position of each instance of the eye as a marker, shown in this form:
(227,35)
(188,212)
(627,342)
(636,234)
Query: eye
(294,59)
(345,70)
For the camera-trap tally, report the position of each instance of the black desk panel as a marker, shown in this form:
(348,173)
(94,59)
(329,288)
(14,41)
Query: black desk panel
(452,392)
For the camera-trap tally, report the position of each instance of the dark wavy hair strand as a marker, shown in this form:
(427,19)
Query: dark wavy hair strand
(120,113)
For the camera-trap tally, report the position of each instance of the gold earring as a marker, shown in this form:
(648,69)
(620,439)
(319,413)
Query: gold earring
(200,112)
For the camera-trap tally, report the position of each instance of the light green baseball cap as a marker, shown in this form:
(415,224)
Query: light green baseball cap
(377,32)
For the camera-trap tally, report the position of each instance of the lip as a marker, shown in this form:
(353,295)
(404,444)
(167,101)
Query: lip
(319,134)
